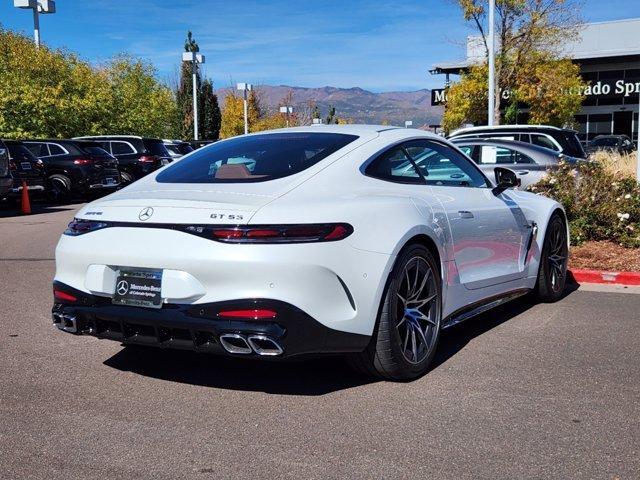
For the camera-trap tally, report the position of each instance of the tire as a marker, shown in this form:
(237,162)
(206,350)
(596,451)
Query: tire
(552,273)
(406,307)
(59,188)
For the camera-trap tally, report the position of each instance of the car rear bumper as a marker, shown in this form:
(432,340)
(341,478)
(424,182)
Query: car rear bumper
(200,327)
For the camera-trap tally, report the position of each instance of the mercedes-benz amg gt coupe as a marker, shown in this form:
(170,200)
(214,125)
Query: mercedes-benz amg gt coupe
(366,241)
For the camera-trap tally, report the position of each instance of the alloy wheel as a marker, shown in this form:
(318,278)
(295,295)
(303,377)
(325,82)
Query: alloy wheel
(557,258)
(417,310)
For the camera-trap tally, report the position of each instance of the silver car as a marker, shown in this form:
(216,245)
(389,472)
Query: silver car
(530,162)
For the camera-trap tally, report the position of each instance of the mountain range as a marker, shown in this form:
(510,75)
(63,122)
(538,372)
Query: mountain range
(355,104)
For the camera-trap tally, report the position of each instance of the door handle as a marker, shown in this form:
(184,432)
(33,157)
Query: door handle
(465,214)
(522,172)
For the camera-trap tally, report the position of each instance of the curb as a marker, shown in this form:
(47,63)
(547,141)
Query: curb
(611,278)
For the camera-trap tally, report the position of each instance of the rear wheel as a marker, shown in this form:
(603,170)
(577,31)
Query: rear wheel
(408,326)
(552,273)
(59,188)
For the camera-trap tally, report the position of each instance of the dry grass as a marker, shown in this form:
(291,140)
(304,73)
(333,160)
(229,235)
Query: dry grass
(606,256)
(617,164)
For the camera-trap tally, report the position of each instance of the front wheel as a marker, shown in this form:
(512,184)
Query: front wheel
(408,326)
(552,274)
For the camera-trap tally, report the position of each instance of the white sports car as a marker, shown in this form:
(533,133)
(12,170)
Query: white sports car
(322,239)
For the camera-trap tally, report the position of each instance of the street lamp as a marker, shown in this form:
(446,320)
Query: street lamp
(245,88)
(287,110)
(195,59)
(408,123)
(38,6)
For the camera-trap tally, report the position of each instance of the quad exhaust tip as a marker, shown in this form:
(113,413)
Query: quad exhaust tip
(67,323)
(259,344)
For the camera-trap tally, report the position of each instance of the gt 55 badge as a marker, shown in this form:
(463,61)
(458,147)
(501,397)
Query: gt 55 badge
(225,216)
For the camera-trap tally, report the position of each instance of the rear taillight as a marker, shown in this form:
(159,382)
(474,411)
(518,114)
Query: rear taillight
(79,227)
(325,232)
(148,158)
(250,314)
(63,296)
(83,161)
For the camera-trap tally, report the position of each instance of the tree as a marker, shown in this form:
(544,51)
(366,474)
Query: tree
(51,93)
(233,113)
(529,37)
(208,110)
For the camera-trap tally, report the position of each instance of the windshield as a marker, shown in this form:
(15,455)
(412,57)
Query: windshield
(255,158)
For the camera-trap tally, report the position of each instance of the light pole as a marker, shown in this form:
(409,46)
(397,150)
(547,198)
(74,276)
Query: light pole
(638,143)
(286,109)
(245,88)
(38,6)
(492,63)
(408,123)
(195,59)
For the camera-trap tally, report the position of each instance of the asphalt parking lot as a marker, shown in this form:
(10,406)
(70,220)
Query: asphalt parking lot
(526,391)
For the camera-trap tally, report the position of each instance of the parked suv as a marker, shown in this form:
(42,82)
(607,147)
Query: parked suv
(177,148)
(137,156)
(75,167)
(612,143)
(6,180)
(24,166)
(561,140)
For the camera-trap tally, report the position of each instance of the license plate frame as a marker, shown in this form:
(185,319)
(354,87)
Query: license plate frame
(138,288)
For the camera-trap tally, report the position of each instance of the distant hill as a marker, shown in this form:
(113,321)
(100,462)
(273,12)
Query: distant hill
(361,106)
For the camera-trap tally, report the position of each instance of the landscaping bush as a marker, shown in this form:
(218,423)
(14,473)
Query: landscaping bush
(600,205)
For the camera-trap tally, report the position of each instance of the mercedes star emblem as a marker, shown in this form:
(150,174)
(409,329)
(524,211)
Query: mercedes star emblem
(145,214)
(122,288)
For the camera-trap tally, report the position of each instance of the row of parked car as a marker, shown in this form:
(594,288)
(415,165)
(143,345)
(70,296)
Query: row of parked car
(82,166)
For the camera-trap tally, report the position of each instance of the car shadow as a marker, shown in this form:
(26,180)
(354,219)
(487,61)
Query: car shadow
(311,377)
(8,210)
(455,338)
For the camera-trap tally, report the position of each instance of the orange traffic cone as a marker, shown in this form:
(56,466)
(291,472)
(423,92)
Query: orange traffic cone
(25,204)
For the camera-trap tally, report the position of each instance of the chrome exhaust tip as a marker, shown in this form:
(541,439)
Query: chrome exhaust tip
(265,346)
(66,323)
(235,343)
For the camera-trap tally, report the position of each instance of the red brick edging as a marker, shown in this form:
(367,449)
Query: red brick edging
(598,276)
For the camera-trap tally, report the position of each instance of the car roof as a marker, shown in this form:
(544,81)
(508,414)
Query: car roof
(508,127)
(505,143)
(116,137)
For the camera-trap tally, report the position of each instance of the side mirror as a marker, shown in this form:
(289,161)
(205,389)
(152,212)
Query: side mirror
(505,178)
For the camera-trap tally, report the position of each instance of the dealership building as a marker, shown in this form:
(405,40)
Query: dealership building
(609,57)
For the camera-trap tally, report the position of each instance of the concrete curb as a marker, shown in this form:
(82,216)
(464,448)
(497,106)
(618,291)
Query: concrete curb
(612,278)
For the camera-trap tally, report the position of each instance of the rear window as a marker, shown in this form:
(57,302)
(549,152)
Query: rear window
(184,148)
(19,152)
(255,158)
(94,148)
(605,142)
(156,147)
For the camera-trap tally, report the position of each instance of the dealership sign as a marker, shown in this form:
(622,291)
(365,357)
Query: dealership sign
(600,88)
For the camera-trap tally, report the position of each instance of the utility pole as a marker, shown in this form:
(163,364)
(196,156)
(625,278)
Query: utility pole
(195,59)
(245,88)
(38,7)
(492,64)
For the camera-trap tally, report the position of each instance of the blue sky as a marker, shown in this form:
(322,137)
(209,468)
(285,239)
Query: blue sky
(380,45)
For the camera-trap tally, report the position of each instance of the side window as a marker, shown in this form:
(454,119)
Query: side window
(56,149)
(38,149)
(525,137)
(467,150)
(543,141)
(442,165)
(121,148)
(395,166)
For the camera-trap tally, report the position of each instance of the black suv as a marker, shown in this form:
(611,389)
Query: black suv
(137,156)
(6,180)
(561,140)
(24,166)
(612,143)
(75,167)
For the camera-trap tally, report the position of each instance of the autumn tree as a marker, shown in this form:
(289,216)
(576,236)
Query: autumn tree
(232,123)
(52,93)
(530,69)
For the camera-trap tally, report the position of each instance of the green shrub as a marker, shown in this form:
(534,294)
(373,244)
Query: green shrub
(599,204)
